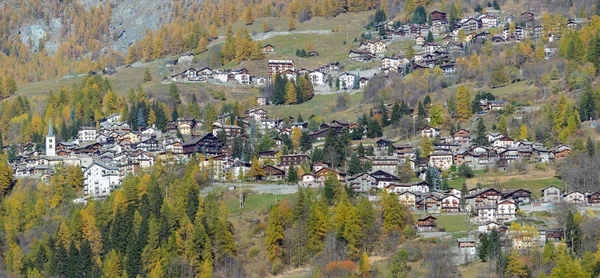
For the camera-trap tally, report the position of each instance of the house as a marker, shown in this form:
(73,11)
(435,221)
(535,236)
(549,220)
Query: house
(462,136)
(485,197)
(241,76)
(561,151)
(86,134)
(390,62)
(185,58)
(268,49)
(520,196)
(489,21)
(426,223)
(261,101)
(383,178)
(346,81)
(448,68)
(430,132)
(450,203)
(373,47)
(383,144)
(507,211)
(403,151)
(273,173)
(438,16)
(285,161)
(362,183)
(488,227)
(593,199)
(99,180)
(385,163)
(408,199)
(320,165)
(575,197)
(362,82)
(441,160)
(467,246)
(208,144)
(360,56)
(419,40)
(279,66)
(256,114)
(486,213)
(231,131)
(317,78)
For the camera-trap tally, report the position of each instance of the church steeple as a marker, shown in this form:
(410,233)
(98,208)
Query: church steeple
(50,129)
(50,141)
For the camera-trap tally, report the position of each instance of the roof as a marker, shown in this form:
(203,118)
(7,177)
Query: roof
(50,129)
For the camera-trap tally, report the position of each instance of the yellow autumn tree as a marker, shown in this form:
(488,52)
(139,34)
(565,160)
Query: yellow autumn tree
(291,25)
(290,93)
(90,229)
(463,103)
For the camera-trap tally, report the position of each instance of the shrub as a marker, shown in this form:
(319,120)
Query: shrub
(465,171)
(253,252)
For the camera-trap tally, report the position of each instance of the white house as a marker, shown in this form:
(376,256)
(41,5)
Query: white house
(317,78)
(575,197)
(507,211)
(100,179)
(441,160)
(486,214)
(347,81)
(430,132)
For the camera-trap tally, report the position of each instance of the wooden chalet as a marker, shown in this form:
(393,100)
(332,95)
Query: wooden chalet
(520,196)
(426,223)
(273,173)
(208,144)
(486,197)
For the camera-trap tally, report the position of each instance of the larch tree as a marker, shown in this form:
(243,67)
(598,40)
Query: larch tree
(256,170)
(463,103)
(274,234)
(291,25)
(290,93)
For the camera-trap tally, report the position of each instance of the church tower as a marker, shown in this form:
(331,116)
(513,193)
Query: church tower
(50,141)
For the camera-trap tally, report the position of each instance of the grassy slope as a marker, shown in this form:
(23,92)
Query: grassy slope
(321,105)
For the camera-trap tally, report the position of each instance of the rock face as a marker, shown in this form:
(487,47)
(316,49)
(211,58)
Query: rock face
(129,22)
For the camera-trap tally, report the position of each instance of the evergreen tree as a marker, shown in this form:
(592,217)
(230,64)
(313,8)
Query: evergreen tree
(429,37)
(587,105)
(481,134)
(355,166)
(292,174)
(147,75)
(590,147)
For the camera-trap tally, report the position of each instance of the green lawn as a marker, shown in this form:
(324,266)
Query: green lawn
(451,222)
(321,105)
(457,183)
(257,202)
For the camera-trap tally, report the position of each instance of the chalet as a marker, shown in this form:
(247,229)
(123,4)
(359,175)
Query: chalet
(256,114)
(419,40)
(489,21)
(390,62)
(426,223)
(278,66)
(385,163)
(261,101)
(438,16)
(520,196)
(320,165)
(593,199)
(296,159)
(273,173)
(362,183)
(360,56)
(373,47)
(208,144)
(430,132)
(383,144)
(497,39)
(383,178)
(448,68)
(429,203)
(362,82)
(403,151)
(450,203)
(268,49)
(471,25)
(408,199)
(462,136)
(185,58)
(441,159)
(575,197)
(489,105)
(561,151)
(231,131)
(485,197)
(488,227)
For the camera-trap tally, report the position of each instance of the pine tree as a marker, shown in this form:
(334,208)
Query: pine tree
(430,37)
(355,166)
(274,234)
(147,75)
(481,135)
(292,174)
